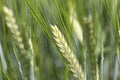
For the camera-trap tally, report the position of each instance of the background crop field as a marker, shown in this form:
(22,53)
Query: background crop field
(59,39)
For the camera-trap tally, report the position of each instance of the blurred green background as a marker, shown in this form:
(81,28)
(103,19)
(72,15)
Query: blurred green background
(34,18)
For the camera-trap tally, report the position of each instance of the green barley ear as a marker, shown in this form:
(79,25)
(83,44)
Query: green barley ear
(25,55)
(67,53)
(11,23)
(76,25)
(90,42)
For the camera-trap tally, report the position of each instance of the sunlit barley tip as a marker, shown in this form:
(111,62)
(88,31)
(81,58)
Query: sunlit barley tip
(7,11)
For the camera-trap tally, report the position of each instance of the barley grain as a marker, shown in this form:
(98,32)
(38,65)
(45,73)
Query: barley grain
(67,53)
